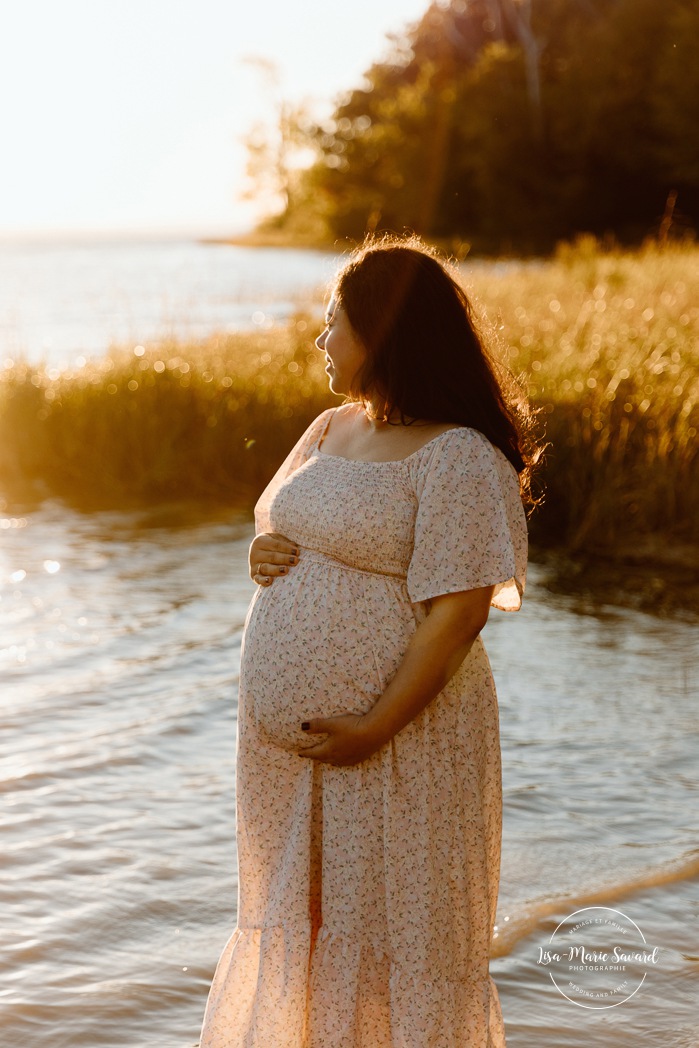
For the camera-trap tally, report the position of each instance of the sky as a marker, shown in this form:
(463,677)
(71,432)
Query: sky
(129,115)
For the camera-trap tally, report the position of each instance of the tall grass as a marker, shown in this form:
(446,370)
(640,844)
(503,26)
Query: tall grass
(196,421)
(608,342)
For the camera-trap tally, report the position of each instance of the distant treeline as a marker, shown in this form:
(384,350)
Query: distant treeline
(511,124)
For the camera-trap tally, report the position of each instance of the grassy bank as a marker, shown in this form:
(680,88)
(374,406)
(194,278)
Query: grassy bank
(173,421)
(609,343)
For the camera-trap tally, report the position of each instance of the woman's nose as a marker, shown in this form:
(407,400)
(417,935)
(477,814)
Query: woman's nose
(320,342)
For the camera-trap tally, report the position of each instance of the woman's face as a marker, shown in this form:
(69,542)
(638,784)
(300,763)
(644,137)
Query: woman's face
(343,350)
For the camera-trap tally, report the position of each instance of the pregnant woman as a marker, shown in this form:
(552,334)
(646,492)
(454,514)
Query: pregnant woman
(368,759)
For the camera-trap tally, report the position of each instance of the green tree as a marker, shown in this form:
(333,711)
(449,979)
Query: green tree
(517,123)
(279,150)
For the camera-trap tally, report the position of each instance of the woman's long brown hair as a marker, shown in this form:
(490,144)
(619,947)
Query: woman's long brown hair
(425,358)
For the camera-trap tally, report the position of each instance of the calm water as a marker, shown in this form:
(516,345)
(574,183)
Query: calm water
(60,302)
(118,671)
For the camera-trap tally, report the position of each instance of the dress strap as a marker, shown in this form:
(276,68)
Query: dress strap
(319,439)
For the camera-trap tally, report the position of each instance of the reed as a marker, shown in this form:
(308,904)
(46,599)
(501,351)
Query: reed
(608,342)
(202,421)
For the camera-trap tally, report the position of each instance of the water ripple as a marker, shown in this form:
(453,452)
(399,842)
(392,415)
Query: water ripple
(118,675)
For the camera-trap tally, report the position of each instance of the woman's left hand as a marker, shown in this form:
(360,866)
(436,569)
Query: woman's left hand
(349,742)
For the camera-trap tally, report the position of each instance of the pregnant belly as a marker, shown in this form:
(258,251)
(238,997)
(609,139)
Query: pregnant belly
(322,641)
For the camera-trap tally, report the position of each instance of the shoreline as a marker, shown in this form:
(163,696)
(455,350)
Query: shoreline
(613,386)
(272,239)
(660,582)
(454,247)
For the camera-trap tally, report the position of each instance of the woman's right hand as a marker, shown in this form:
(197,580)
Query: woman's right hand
(271,555)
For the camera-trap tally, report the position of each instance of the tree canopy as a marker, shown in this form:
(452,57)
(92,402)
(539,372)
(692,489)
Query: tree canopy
(516,123)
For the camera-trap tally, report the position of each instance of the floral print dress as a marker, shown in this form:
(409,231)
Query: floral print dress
(367,894)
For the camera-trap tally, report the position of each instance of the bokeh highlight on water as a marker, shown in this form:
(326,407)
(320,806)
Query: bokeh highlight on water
(118,671)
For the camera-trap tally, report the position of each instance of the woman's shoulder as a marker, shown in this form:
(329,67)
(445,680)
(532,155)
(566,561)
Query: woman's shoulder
(320,422)
(453,442)
(338,412)
(460,452)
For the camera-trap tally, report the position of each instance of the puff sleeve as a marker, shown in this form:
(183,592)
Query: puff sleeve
(300,452)
(470,526)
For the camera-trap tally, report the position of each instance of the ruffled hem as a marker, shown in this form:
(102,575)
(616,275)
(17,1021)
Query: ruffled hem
(265,995)
(259,990)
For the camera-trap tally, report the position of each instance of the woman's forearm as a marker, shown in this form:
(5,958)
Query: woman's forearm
(436,650)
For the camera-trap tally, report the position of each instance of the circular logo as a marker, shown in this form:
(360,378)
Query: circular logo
(597,957)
